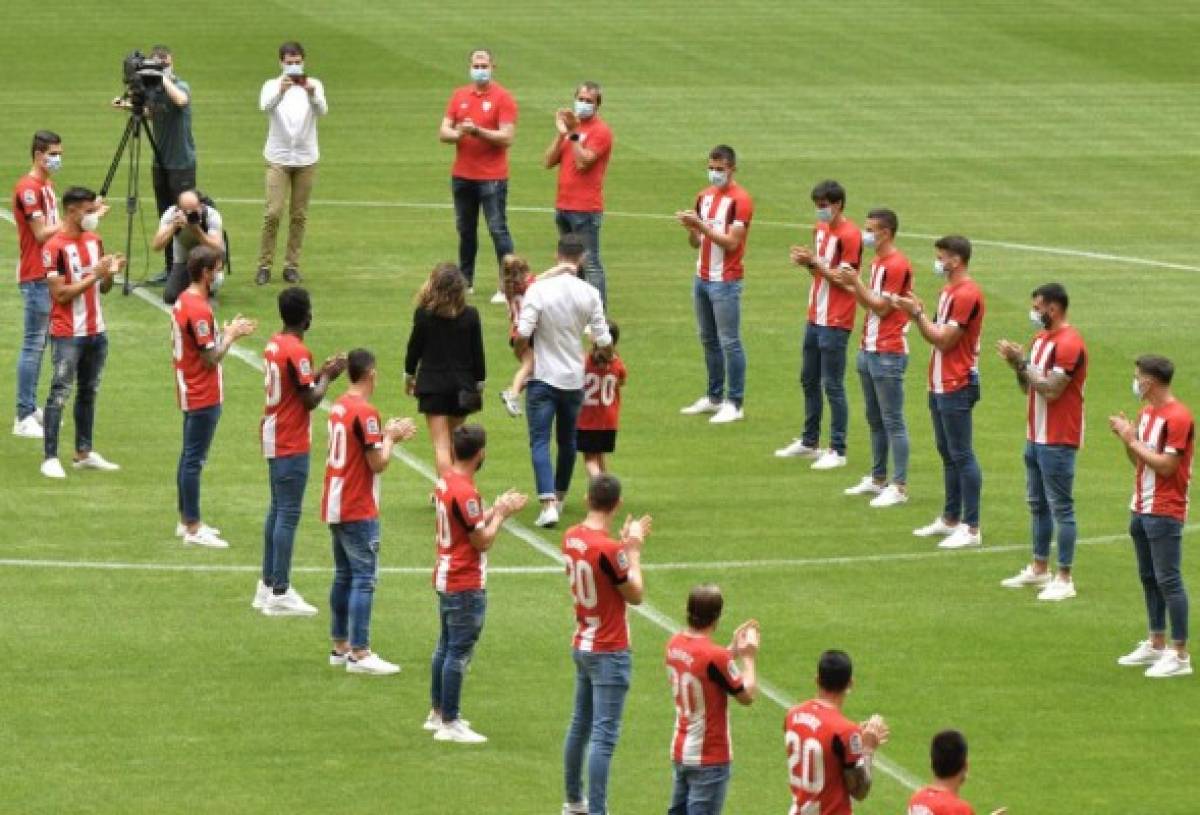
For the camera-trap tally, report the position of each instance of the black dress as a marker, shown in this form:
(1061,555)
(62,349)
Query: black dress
(446,356)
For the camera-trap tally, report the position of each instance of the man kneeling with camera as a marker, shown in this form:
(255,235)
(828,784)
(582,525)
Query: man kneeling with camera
(192,221)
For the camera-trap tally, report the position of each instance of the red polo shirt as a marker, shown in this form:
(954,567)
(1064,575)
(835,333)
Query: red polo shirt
(476,159)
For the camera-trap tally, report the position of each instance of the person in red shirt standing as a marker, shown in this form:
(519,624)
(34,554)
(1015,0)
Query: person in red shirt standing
(360,449)
(604,576)
(1160,447)
(293,391)
(1053,376)
(466,531)
(581,148)
(703,676)
(197,353)
(596,431)
(837,246)
(77,272)
(829,756)
(953,389)
(481,122)
(36,213)
(718,226)
(948,757)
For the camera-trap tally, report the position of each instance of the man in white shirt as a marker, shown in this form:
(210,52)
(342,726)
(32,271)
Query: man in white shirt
(558,309)
(292,101)
(186,224)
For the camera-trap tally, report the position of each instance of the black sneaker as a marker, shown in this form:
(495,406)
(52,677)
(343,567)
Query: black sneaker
(291,275)
(263,275)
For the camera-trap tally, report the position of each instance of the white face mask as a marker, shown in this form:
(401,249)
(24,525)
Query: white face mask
(294,70)
(584,110)
(481,75)
(90,222)
(53,163)
(1038,319)
(718,178)
(1137,390)
(868,239)
(939,268)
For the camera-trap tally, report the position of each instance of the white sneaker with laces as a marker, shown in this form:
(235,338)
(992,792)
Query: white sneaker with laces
(728,412)
(938,527)
(204,536)
(41,417)
(701,405)
(1026,577)
(262,593)
(512,403)
(1058,589)
(372,664)
(548,517)
(288,604)
(458,731)
(798,449)
(829,460)
(962,538)
(498,299)
(867,486)
(890,497)
(52,468)
(580,808)
(433,722)
(95,461)
(338,660)
(181,529)
(1169,664)
(28,428)
(1144,654)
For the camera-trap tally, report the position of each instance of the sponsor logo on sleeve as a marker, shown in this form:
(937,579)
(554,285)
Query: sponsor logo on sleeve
(373,426)
(622,560)
(733,671)
(305,367)
(856,742)
(472,506)
(202,328)
(29,198)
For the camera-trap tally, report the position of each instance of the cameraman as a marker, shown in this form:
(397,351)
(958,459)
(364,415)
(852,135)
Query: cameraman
(189,223)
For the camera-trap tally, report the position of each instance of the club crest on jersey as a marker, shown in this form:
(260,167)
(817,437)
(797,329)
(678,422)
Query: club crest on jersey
(487,106)
(856,742)
(472,506)
(47,259)
(29,197)
(305,367)
(373,425)
(623,560)
(202,328)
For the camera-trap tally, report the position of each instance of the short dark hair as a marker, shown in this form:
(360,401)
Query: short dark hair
(725,153)
(956,245)
(887,217)
(614,331)
(594,87)
(1052,293)
(468,439)
(160,50)
(571,246)
(828,190)
(43,140)
(704,605)
(77,195)
(834,671)
(1156,366)
(200,259)
(294,306)
(291,47)
(359,363)
(604,492)
(948,753)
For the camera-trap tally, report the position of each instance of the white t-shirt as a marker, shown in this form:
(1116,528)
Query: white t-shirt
(558,309)
(292,133)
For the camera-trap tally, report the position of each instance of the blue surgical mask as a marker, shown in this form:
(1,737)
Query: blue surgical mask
(53,164)
(481,75)
(293,70)
(584,110)
(939,268)
(1137,390)
(825,214)
(718,178)
(868,239)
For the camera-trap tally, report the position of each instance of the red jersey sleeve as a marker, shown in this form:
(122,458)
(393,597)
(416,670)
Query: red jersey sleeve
(1069,356)
(369,428)
(850,737)
(851,240)
(964,308)
(301,363)
(615,564)
(723,671)
(469,509)
(1179,433)
(745,210)
(600,141)
(200,325)
(30,203)
(506,110)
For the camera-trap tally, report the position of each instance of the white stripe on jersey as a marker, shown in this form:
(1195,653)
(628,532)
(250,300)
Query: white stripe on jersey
(871,329)
(716,220)
(1039,359)
(820,292)
(333,501)
(268,435)
(935,374)
(693,739)
(442,572)
(1143,498)
(181,385)
(587,633)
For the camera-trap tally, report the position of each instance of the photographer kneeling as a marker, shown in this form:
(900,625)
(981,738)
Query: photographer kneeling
(189,223)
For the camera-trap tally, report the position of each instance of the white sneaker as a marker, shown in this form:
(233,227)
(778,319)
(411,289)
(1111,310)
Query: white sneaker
(1144,654)
(28,428)
(338,660)
(938,527)
(701,405)
(433,722)
(52,468)
(95,461)
(829,460)
(458,731)
(1026,577)
(580,808)
(288,604)
(728,412)
(41,417)
(1170,665)
(1058,589)
(548,517)
(262,593)
(512,403)
(372,664)
(798,449)
(204,536)
(867,486)
(181,529)
(961,538)
(890,497)
(498,299)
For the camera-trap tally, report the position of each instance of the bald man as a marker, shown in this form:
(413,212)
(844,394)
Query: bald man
(186,225)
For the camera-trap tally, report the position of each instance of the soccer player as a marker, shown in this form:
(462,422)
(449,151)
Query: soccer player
(953,389)
(466,531)
(718,226)
(293,390)
(604,576)
(703,676)
(35,210)
(883,357)
(829,756)
(1053,376)
(603,377)
(1160,447)
(197,353)
(948,756)
(837,245)
(360,448)
(77,272)
(481,122)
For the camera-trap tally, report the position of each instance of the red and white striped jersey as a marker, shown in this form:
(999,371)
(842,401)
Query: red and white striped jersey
(828,304)
(351,491)
(721,209)
(596,564)
(460,566)
(703,676)
(194,329)
(74,259)
(1167,429)
(33,199)
(886,335)
(1061,421)
(959,304)
(821,743)
(286,427)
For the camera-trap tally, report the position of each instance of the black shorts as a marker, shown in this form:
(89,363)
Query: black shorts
(596,441)
(440,404)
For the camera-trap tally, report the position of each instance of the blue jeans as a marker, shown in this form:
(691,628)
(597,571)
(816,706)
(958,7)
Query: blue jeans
(699,790)
(1158,545)
(587,226)
(36,297)
(288,477)
(462,615)
(951,413)
(1049,478)
(601,683)
(355,572)
(469,198)
(77,361)
(882,378)
(546,406)
(199,427)
(823,366)
(718,316)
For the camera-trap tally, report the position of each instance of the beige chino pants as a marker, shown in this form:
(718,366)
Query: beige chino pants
(284,183)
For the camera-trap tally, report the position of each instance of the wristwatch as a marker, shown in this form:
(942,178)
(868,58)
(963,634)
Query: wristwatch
(574,137)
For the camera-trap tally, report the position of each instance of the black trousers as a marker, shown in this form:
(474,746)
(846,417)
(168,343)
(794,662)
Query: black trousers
(168,184)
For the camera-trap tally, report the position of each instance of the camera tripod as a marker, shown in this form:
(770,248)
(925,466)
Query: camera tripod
(131,140)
